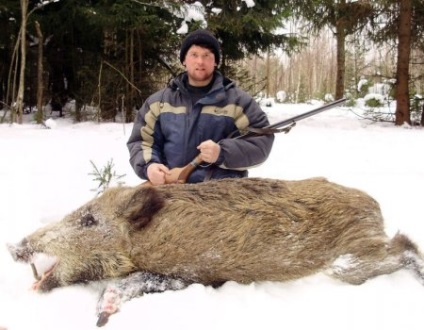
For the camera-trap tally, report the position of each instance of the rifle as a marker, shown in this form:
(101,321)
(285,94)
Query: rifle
(181,174)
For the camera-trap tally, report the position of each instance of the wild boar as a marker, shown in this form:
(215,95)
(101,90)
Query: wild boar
(152,239)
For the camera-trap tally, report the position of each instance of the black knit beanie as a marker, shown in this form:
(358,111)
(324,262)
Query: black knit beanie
(200,37)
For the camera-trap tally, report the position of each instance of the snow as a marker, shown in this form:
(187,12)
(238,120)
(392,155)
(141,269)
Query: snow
(41,4)
(362,82)
(44,176)
(374,96)
(191,12)
(249,3)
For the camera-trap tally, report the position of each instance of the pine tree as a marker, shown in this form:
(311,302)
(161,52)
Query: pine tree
(343,17)
(245,30)
(403,22)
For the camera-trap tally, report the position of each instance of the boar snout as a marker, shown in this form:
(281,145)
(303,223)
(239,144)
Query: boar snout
(21,251)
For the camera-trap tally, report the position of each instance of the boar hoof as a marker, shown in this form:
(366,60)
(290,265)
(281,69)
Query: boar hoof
(103,319)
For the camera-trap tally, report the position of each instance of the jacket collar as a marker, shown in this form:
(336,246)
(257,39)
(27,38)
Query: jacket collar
(220,83)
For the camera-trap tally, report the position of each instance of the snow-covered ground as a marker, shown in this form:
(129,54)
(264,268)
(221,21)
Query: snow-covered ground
(44,175)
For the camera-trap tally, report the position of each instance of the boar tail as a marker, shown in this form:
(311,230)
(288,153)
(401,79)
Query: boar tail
(380,257)
(412,259)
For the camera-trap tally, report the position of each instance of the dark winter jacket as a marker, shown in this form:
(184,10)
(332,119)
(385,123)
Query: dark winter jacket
(168,128)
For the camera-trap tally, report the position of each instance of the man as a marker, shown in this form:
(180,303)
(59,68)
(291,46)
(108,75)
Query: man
(195,115)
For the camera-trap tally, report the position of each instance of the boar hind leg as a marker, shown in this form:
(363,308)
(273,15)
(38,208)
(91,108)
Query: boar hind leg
(379,259)
(134,285)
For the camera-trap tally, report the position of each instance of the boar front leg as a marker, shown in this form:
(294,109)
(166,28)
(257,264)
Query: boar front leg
(134,285)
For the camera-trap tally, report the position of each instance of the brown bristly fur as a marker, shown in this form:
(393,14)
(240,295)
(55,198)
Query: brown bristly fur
(235,229)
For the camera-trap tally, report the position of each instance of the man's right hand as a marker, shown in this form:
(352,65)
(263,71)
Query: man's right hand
(156,173)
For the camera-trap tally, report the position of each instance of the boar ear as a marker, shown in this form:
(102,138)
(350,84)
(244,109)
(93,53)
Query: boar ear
(142,205)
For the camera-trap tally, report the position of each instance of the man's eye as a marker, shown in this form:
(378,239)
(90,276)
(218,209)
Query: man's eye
(203,56)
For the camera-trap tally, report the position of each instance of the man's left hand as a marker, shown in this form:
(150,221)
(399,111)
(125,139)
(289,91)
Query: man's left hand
(209,151)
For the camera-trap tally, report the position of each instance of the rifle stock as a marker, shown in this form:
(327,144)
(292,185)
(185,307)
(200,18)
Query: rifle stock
(181,174)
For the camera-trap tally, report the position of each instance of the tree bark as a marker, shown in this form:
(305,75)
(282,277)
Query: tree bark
(403,58)
(40,83)
(268,75)
(341,59)
(131,91)
(20,95)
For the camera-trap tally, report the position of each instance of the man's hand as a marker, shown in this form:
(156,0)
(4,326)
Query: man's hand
(209,151)
(156,173)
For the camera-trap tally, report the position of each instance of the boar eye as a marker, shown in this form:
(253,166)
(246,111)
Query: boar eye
(87,220)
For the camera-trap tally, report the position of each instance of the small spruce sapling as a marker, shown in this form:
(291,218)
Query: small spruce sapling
(105,176)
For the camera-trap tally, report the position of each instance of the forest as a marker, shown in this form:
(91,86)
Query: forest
(108,56)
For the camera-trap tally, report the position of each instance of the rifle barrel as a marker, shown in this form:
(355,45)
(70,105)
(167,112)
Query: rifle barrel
(292,120)
(306,114)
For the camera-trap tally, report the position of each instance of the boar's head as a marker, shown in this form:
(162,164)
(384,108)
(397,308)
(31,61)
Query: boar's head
(93,242)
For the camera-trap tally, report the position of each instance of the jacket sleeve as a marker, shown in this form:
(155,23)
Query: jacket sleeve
(241,154)
(145,141)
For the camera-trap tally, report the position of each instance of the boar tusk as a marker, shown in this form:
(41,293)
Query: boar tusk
(34,272)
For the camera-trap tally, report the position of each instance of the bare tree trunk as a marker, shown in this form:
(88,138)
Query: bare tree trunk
(20,96)
(268,74)
(131,97)
(255,68)
(277,67)
(403,58)
(99,88)
(40,83)
(11,81)
(341,60)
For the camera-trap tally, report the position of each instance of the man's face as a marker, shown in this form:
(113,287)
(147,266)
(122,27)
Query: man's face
(200,64)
